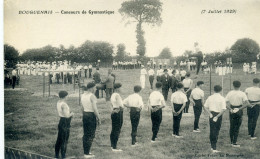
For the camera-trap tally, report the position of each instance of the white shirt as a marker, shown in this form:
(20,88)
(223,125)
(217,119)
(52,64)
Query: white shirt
(151,72)
(14,73)
(156,98)
(236,97)
(90,66)
(253,93)
(187,83)
(183,73)
(59,108)
(86,102)
(178,98)
(116,100)
(170,72)
(177,72)
(134,100)
(159,72)
(143,72)
(216,103)
(197,93)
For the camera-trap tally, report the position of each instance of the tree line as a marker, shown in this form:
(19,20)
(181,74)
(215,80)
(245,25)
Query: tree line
(243,50)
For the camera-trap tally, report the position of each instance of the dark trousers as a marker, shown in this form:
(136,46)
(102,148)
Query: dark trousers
(197,108)
(252,114)
(214,130)
(97,93)
(90,71)
(70,78)
(58,78)
(177,119)
(186,109)
(89,128)
(50,78)
(235,123)
(109,92)
(156,121)
(151,79)
(63,137)
(117,122)
(65,78)
(158,78)
(86,72)
(13,81)
(135,118)
(61,74)
(165,92)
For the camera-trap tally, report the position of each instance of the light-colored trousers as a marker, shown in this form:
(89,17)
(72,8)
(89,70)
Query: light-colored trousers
(142,80)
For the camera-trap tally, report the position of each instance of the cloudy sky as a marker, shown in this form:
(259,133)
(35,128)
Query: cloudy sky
(183,24)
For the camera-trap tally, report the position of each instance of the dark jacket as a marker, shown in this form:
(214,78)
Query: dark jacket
(96,77)
(110,81)
(173,82)
(166,81)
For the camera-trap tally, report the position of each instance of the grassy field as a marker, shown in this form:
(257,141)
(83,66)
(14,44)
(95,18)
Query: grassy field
(31,124)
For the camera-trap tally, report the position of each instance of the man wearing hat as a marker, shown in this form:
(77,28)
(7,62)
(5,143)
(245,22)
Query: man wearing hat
(109,84)
(142,77)
(165,80)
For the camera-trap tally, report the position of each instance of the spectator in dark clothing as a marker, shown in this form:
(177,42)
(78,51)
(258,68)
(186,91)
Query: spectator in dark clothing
(165,80)
(97,80)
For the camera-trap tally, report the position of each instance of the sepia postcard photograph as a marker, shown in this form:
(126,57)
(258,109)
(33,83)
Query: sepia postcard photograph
(130,79)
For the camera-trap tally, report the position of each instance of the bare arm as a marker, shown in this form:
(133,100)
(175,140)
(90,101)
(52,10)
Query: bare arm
(246,104)
(191,99)
(229,106)
(94,105)
(207,110)
(163,103)
(221,113)
(183,106)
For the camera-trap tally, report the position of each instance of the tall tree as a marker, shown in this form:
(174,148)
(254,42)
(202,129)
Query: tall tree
(10,55)
(121,53)
(142,11)
(94,51)
(244,50)
(165,54)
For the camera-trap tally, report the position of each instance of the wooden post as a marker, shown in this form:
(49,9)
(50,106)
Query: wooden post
(230,77)
(79,91)
(74,80)
(210,79)
(222,81)
(43,85)
(49,84)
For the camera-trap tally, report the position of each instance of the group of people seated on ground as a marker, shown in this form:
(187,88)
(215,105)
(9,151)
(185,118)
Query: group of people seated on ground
(215,106)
